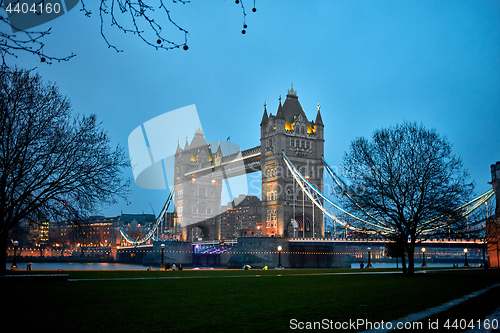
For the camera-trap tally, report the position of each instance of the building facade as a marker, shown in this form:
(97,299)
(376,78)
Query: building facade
(100,231)
(242,218)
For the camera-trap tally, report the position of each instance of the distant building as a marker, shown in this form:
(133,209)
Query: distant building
(100,230)
(242,219)
(29,233)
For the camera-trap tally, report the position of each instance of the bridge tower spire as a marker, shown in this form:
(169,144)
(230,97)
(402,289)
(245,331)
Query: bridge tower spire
(303,142)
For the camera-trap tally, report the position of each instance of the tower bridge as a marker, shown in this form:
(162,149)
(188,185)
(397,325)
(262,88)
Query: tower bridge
(290,159)
(297,252)
(200,174)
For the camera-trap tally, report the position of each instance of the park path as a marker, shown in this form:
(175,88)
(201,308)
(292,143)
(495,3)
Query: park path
(494,315)
(414,317)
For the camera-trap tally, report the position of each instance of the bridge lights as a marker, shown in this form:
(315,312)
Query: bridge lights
(279,256)
(423,257)
(466,263)
(162,255)
(369,258)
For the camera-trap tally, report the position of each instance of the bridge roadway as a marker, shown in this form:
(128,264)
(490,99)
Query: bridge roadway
(429,243)
(459,243)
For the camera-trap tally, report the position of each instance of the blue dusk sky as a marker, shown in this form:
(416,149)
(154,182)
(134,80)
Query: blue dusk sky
(370,64)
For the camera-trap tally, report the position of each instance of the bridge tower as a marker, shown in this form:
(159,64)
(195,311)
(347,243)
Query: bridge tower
(495,182)
(197,199)
(302,140)
(493,223)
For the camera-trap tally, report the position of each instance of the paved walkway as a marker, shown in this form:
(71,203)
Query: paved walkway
(429,312)
(494,315)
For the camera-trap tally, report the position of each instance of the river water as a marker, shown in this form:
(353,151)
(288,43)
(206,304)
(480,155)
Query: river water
(76,266)
(93,266)
(393,265)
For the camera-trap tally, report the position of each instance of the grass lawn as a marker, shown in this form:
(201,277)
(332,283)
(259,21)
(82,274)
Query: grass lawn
(233,300)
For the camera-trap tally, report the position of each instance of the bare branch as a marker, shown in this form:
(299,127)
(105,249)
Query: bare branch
(146,19)
(23,41)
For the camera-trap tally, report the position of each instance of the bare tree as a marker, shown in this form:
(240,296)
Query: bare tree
(404,178)
(53,166)
(150,20)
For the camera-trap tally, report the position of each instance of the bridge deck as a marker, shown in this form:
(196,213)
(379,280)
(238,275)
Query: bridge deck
(357,241)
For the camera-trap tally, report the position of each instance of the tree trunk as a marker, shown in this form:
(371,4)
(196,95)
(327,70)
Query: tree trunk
(411,259)
(4,236)
(411,263)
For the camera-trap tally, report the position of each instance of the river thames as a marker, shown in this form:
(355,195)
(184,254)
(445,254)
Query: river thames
(118,266)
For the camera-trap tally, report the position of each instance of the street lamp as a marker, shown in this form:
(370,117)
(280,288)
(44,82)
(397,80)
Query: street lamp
(162,255)
(14,264)
(369,258)
(423,257)
(279,256)
(466,263)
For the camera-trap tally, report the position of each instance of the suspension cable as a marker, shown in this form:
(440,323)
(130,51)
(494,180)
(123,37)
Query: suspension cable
(151,231)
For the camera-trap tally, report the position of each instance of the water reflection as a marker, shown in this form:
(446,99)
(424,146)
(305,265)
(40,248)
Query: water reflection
(96,266)
(54,266)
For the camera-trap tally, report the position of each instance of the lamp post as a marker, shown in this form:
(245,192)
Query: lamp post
(423,257)
(162,255)
(279,256)
(466,263)
(14,263)
(369,258)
